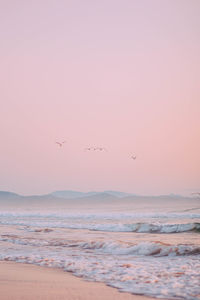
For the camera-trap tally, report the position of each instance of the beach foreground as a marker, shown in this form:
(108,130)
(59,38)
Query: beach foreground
(23,281)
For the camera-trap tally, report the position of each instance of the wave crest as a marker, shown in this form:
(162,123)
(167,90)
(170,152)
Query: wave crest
(146,248)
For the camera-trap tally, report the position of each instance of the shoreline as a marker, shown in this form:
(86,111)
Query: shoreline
(26,281)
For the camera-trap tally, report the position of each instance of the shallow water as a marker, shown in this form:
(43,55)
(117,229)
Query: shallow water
(155,252)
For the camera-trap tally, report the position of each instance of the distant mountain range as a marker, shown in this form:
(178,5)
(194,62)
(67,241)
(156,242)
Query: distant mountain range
(8,194)
(66,195)
(109,200)
(69,194)
(74,194)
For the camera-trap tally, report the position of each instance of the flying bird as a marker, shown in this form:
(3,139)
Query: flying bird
(133,157)
(60,143)
(89,148)
(100,149)
(95,149)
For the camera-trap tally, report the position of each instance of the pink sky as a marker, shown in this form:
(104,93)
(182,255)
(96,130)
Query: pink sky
(120,74)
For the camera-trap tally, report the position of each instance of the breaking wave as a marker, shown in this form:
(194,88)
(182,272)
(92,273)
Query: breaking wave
(145,248)
(115,248)
(105,226)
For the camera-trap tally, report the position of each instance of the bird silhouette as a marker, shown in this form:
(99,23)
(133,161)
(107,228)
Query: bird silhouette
(100,149)
(133,157)
(60,143)
(95,149)
(89,148)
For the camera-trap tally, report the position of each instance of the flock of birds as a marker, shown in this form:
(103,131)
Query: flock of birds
(61,144)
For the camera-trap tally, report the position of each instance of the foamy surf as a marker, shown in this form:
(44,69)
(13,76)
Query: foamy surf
(157,277)
(105,226)
(156,254)
(120,248)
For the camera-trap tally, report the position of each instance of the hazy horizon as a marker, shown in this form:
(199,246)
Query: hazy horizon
(90,193)
(124,75)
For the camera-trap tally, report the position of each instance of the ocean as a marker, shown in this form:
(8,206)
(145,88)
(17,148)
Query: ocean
(142,246)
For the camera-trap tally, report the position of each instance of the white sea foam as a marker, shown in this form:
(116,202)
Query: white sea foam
(145,248)
(119,248)
(158,277)
(103,226)
(97,215)
(125,250)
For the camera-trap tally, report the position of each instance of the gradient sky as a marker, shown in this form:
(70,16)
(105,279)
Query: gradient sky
(123,74)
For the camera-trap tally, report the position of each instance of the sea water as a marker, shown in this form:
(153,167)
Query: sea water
(151,249)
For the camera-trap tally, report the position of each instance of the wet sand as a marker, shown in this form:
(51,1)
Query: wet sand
(28,282)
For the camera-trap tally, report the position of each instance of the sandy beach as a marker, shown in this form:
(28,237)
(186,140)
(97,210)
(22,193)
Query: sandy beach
(28,282)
